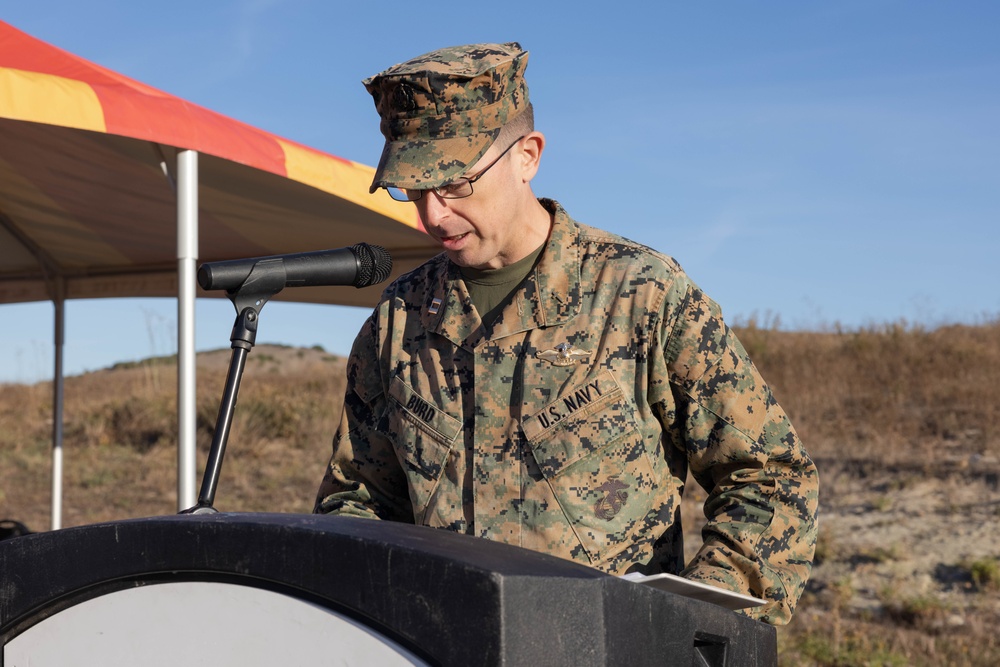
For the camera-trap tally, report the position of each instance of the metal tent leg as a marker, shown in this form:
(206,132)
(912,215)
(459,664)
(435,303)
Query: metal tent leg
(187,259)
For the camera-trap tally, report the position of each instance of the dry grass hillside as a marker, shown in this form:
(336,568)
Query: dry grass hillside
(904,424)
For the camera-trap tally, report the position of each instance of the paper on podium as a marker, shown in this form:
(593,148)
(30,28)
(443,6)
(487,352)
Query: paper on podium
(695,589)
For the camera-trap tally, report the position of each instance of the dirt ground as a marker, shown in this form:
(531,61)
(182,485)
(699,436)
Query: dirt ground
(899,532)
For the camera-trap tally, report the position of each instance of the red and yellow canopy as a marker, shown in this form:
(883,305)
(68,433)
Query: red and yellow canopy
(83,194)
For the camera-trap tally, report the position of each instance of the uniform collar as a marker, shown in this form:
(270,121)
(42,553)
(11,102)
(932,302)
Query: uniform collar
(549,296)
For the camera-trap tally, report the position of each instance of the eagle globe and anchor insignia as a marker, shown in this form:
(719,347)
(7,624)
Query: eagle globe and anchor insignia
(612,501)
(564,354)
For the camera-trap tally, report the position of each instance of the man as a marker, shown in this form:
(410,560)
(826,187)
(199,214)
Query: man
(547,384)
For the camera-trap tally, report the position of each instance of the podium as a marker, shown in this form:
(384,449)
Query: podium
(287,589)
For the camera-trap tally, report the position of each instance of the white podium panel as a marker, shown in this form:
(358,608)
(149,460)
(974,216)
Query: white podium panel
(200,623)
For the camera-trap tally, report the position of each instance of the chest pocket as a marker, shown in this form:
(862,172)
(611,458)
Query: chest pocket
(590,451)
(423,436)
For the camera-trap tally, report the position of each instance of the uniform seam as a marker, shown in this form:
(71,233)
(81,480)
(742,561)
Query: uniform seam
(702,405)
(671,349)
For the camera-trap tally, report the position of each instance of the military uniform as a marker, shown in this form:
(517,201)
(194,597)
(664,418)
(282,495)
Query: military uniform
(569,424)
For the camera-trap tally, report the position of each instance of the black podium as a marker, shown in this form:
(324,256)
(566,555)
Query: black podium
(249,589)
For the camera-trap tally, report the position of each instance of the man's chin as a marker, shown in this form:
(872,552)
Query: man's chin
(459,258)
(466,260)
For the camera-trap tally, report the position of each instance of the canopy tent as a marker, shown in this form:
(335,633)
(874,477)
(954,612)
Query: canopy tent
(110,188)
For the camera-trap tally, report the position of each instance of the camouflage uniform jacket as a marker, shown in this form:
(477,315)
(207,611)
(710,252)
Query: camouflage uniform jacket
(569,425)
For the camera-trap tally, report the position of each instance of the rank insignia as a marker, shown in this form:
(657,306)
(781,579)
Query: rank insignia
(563,354)
(435,306)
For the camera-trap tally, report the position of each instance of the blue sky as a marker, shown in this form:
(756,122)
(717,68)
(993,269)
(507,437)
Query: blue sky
(820,163)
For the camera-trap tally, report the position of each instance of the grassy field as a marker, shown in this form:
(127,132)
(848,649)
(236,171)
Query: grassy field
(903,422)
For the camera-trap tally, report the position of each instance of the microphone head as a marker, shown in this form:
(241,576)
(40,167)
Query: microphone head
(374,264)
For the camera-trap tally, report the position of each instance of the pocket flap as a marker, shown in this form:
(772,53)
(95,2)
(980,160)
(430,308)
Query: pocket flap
(581,421)
(426,414)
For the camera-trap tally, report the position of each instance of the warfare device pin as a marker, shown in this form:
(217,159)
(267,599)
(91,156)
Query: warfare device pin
(564,354)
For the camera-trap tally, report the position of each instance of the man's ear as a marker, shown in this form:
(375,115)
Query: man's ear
(529,155)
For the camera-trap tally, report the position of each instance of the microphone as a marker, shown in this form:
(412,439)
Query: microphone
(361,265)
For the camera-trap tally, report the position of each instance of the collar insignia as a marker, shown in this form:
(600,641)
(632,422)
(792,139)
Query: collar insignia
(563,354)
(435,306)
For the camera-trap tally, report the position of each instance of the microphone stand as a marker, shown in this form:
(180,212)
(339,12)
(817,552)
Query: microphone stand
(266,279)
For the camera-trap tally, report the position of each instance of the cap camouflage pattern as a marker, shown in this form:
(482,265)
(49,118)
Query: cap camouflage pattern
(442,111)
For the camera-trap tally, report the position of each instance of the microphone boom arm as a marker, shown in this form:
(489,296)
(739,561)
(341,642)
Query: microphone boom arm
(256,280)
(266,279)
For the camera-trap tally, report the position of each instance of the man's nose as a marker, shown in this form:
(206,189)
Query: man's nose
(432,208)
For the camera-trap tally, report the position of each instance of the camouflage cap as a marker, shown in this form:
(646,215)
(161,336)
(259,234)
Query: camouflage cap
(442,111)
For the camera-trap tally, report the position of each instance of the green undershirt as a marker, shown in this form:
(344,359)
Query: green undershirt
(490,289)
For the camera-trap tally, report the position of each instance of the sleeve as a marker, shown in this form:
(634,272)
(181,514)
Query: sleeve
(364,477)
(763,488)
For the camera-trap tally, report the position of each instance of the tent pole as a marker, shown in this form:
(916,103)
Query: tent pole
(187,259)
(57,405)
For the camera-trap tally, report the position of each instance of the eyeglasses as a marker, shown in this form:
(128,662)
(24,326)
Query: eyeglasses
(457,189)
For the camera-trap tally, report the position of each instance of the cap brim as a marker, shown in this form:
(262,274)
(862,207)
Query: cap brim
(418,164)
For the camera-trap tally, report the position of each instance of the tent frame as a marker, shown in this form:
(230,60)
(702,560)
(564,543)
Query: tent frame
(187,259)
(106,126)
